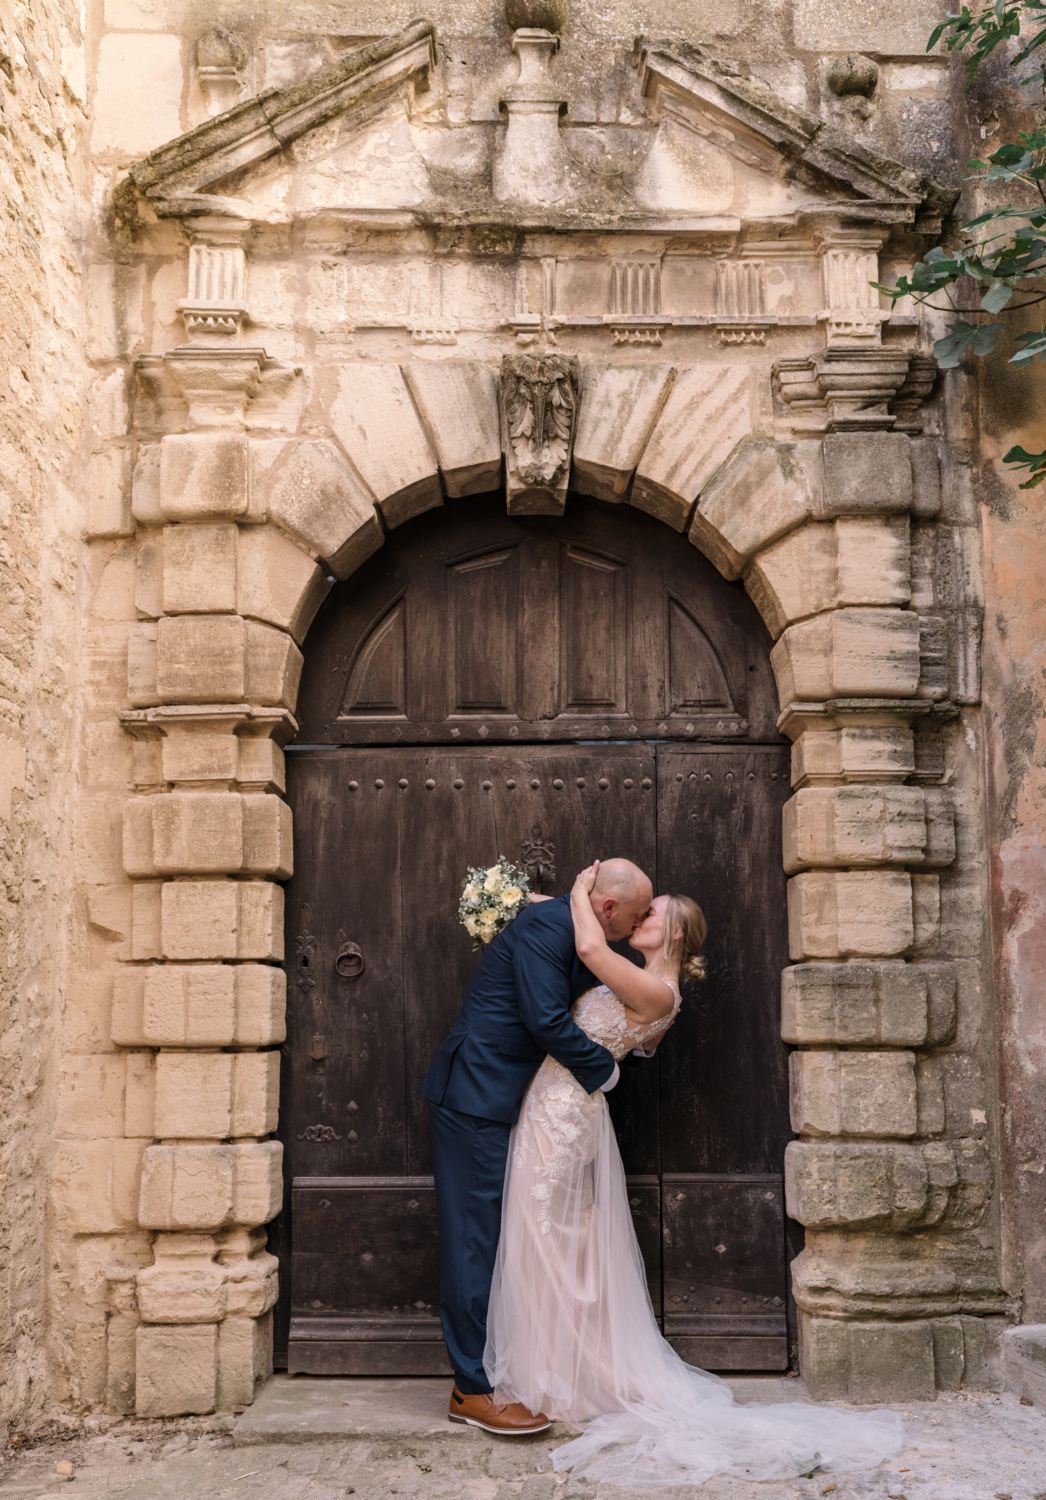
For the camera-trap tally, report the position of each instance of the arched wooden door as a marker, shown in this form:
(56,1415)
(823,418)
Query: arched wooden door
(551,689)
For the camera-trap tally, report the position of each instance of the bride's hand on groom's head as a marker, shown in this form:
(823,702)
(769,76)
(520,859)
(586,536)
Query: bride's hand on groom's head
(586,878)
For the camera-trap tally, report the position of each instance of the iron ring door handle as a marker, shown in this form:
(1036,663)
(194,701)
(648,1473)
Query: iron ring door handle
(350,962)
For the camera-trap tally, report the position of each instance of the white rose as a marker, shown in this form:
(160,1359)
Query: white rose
(511,895)
(493,880)
(471,892)
(471,926)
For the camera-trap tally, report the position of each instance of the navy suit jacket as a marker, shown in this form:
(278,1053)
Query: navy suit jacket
(517,1009)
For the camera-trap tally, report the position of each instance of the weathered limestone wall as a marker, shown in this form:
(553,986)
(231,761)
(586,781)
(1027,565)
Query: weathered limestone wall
(44,425)
(354,383)
(1007,408)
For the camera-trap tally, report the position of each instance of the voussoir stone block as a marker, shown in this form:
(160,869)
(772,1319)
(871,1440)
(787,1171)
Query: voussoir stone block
(176,1369)
(846,1185)
(881,753)
(199,569)
(867,1004)
(374,419)
(764,491)
(619,406)
(199,1005)
(212,1095)
(204,476)
(306,487)
(209,1187)
(867,473)
(866,825)
(457,401)
(850,914)
(849,653)
(276,582)
(221,919)
(867,1363)
(829,564)
(852,1093)
(708,411)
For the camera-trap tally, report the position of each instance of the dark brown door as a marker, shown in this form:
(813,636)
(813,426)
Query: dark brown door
(531,687)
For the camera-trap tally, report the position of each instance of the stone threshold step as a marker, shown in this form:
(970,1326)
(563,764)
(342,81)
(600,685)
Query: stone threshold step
(330,1408)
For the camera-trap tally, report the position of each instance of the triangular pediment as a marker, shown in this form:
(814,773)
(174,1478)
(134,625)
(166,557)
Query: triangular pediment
(348,138)
(187,172)
(749,122)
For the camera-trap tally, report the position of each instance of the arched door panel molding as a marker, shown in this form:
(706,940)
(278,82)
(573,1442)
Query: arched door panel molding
(602,624)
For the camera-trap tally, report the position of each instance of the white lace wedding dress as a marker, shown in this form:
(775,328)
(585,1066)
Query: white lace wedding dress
(571,1330)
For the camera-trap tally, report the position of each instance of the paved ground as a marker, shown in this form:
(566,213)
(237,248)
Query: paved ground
(392,1441)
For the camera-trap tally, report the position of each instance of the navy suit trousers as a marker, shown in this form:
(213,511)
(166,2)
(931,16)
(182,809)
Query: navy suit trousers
(469,1156)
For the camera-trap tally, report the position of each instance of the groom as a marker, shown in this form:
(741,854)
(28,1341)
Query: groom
(516,1009)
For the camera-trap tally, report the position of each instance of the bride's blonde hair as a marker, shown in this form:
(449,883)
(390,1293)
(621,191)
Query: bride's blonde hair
(685,917)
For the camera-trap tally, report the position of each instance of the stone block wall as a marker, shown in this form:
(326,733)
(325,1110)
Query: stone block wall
(219,480)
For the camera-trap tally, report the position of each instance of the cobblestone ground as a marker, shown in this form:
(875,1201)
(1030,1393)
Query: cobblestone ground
(963,1448)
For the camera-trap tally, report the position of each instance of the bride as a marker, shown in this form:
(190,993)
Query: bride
(570,1328)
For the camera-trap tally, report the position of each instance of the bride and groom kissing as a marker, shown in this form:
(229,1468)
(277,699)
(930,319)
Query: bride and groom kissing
(543,1293)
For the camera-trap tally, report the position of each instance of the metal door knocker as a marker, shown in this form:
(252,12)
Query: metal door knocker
(350,962)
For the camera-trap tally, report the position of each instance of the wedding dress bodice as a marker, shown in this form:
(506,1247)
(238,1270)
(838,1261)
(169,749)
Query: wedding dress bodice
(603,1017)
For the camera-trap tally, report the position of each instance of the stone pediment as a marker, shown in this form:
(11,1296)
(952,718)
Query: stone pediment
(749,122)
(354,136)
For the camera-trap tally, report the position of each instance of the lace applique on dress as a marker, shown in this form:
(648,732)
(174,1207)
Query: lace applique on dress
(559,1115)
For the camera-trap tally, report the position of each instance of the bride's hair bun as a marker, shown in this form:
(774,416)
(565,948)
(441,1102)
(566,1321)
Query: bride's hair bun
(685,918)
(694,967)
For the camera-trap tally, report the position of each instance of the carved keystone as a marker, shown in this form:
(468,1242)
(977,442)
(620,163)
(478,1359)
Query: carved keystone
(539,396)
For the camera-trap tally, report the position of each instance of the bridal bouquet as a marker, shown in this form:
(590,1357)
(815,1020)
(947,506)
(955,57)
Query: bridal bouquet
(491,898)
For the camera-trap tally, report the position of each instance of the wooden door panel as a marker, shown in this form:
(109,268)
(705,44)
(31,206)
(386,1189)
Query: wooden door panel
(345,891)
(366,1278)
(724,1080)
(724,1270)
(473,626)
(723,1068)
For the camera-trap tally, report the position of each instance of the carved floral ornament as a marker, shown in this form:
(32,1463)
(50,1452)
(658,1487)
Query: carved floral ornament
(540,397)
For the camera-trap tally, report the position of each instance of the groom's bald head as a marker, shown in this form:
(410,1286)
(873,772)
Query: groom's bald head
(620,897)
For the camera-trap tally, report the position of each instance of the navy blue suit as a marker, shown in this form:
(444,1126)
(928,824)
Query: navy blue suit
(516,1010)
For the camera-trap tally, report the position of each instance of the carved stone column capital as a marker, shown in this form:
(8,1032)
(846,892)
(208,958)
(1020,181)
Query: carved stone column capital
(842,390)
(216,383)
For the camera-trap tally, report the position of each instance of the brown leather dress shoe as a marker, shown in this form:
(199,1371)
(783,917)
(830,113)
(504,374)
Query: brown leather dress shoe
(510,1420)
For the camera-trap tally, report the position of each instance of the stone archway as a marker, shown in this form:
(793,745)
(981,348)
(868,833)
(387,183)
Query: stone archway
(242,535)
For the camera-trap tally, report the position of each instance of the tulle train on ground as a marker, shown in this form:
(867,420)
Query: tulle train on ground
(571,1329)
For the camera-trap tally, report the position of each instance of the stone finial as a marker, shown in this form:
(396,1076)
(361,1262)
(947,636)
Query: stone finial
(544,15)
(853,74)
(531,167)
(220,62)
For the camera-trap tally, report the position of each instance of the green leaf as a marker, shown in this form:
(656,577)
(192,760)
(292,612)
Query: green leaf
(962,337)
(996,297)
(1034,347)
(1034,462)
